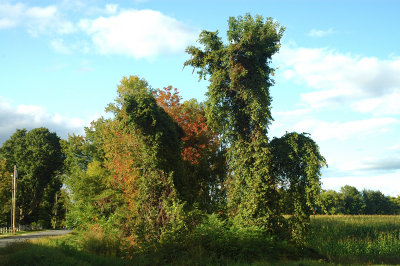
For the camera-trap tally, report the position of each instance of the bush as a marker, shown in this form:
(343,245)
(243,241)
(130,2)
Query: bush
(217,241)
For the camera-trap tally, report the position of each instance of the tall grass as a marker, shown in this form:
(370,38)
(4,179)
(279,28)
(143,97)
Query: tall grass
(64,250)
(337,239)
(357,239)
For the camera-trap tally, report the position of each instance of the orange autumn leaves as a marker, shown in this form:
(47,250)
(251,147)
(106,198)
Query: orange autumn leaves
(199,140)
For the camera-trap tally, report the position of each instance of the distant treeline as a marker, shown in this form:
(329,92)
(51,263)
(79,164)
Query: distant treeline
(352,201)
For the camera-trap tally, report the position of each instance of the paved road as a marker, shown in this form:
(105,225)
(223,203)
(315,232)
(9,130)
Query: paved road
(25,237)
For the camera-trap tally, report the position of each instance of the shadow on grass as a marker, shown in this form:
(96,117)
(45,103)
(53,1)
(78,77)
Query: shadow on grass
(26,253)
(91,248)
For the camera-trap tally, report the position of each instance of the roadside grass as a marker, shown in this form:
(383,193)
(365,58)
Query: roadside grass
(358,239)
(63,250)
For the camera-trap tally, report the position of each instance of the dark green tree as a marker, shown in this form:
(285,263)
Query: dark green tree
(238,107)
(353,201)
(376,203)
(5,193)
(395,202)
(297,163)
(39,160)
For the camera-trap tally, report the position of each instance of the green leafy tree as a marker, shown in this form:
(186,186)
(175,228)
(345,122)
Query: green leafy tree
(353,201)
(395,202)
(94,198)
(62,204)
(297,163)
(331,202)
(142,146)
(5,193)
(376,203)
(238,107)
(39,160)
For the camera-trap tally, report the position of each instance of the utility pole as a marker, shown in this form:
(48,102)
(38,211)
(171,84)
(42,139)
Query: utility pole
(13,200)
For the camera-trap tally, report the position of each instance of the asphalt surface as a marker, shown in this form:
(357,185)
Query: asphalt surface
(25,237)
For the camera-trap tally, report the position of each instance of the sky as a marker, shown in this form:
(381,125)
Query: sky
(337,73)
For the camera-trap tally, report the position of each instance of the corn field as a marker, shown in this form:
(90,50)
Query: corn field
(357,238)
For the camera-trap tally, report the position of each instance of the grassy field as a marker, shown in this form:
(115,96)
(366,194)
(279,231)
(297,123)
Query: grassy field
(335,239)
(357,239)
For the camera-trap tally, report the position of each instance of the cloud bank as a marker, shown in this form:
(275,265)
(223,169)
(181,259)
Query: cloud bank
(112,31)
(31,116)
(138,33)
(37,20)
(367,84)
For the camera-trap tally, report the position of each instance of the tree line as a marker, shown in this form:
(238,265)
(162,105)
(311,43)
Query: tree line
(161,168)
(349,200)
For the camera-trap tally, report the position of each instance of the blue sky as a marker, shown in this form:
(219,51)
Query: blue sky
(337,78)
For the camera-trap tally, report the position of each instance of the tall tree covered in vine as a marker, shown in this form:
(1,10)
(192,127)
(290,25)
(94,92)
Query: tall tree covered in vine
(238,106)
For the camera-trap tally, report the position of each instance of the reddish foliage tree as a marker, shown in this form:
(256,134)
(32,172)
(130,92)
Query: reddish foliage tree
(204,162)
(199,139)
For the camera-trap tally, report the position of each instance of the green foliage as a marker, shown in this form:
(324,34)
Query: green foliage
(5,193)
(376,203)
(216,241)
(395,204)
(160,133)
(297,163)
(253,198)
(94,198)
(157,166)
(238,103)
(331,202)
(351,201)
(238,107)
(142,147)
(39,161)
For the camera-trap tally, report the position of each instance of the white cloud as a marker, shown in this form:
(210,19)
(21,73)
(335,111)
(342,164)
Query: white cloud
(138,33)
(384,105)
(48,12)
(59,46)
(322,131)
(395,147)
(111,9)
(32,116)
(9,10)
(7,23)
(372,164)
(36,19)
(368,84)
(387,183)
(301,120)
(320,33)
(386,163)
(131,32)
